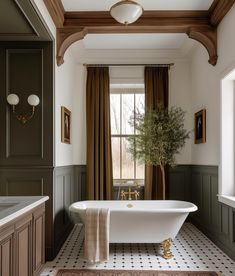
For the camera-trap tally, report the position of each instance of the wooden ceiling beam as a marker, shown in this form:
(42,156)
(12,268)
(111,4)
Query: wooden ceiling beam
(56,11)
(198,25)
(148,19)
(78,24)
(219,10)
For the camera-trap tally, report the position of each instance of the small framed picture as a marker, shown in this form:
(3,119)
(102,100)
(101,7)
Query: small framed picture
(200,126)
(65,125)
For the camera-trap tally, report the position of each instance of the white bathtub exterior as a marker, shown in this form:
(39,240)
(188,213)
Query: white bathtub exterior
(146,222)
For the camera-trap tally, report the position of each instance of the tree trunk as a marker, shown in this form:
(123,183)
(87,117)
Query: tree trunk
(163,182)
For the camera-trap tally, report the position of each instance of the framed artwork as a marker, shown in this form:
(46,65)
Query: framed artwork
(200,126)
(65,125)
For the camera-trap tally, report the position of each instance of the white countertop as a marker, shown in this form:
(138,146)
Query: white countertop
(12,207)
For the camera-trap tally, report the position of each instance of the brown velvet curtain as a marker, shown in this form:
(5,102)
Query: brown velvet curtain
(156,93)
(99,155)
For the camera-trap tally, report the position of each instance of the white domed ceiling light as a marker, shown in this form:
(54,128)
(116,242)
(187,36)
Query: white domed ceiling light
(126,12)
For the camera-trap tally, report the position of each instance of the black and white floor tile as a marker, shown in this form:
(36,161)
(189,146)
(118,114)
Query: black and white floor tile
(192,251)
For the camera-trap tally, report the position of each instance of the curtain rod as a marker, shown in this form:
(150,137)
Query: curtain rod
(117,65)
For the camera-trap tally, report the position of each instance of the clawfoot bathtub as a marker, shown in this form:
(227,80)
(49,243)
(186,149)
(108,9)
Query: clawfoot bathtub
(142,221)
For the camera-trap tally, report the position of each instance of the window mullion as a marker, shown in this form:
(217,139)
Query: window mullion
(134,135)
(121,136)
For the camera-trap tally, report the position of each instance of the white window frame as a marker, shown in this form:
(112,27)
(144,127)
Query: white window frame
(121,91)
(227,138)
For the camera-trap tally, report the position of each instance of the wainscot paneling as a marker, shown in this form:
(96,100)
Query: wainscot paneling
(179,177)
(26,68)
(216,220)
(80,180)
(64,196)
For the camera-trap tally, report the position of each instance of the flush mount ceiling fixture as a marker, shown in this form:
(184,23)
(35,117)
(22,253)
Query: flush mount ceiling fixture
(126,12)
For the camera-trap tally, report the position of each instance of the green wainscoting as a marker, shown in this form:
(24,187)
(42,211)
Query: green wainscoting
(80,180)
(179,179)
(214,219)
(64,196)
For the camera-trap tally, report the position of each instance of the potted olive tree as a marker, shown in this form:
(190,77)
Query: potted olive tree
(160,135)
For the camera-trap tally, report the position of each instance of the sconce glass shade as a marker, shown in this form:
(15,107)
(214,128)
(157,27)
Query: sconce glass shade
(13,99)
(126,11)
(33,100)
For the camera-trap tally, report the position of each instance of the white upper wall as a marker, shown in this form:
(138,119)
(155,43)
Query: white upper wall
(66,89)
(68,80)
(206,89)
(79,117)
(179,95)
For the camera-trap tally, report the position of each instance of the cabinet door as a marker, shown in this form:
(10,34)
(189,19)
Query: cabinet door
(23,247)
(38,239)
(6,251)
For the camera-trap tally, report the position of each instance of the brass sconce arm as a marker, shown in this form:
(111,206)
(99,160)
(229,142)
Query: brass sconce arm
(23,118)
(13,100)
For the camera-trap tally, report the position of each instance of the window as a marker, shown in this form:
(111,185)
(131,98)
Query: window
(227,154)
(123,103)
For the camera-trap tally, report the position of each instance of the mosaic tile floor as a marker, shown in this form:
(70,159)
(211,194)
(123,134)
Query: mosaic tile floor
(192,251)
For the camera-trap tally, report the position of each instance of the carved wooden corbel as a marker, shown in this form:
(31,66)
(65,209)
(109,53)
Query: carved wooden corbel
(208,38)
(65,38)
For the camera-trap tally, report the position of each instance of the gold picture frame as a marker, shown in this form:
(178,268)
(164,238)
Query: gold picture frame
(65,125)
(200,126)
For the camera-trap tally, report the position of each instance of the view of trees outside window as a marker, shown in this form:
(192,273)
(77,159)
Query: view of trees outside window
(123,103)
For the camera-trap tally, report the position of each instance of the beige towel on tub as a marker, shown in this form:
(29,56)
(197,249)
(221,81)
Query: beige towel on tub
(96,247)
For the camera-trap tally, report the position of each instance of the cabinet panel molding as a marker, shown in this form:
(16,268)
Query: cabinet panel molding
(23,247)
(6,252)
(38,239)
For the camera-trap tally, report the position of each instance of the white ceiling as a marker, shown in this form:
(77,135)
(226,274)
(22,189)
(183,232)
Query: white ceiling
(134,41)
(102,5)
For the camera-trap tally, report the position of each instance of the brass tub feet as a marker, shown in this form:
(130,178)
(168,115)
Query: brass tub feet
(166,245)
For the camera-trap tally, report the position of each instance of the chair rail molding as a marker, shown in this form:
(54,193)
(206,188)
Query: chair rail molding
(198,25)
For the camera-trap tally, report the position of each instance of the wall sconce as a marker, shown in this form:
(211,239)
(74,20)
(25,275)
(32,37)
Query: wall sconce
(33,100)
